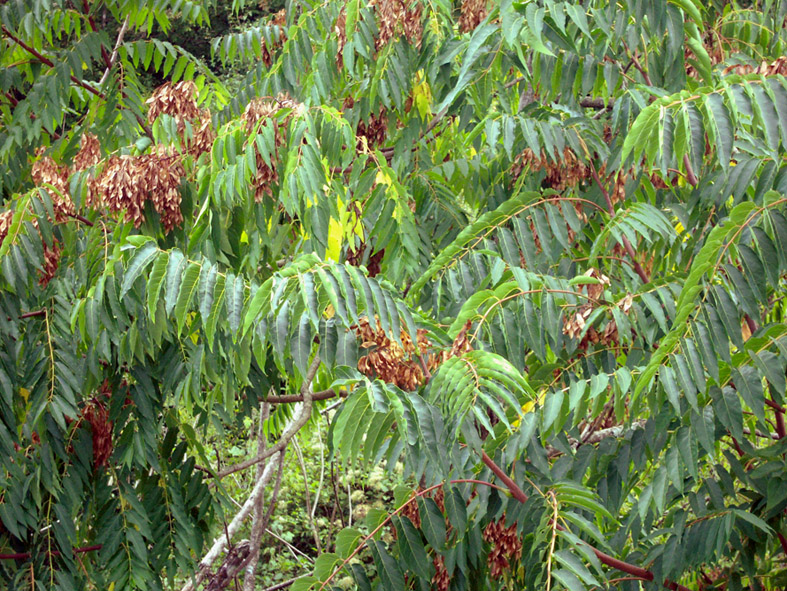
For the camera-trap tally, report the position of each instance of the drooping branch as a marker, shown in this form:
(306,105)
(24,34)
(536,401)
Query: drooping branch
(46,61)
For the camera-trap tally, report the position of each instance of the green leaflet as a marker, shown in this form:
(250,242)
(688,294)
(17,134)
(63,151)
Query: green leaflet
(704,262)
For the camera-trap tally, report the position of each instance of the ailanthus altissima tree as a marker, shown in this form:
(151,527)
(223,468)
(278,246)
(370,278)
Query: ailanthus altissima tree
(537,250)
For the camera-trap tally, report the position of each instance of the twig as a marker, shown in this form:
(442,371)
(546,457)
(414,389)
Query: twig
(690,176)
(322,395)
(113,58)
(41,312)
(780,430)
(307,496)
(638,65)
(80,218)
(282,585)
(26,555)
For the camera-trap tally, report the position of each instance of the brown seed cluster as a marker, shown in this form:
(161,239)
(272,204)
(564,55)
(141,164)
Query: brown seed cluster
(127,182)
(355,256)
(46,171)
(279,20)
(567,172)
(95,413)
(259,113)
(391,362)
(777,67)
(396,18)
(506,546)
(340,30)
(5,223)
(472,13)
(372,132)
(574,323)
(441,579)
(51,262)
(179,101)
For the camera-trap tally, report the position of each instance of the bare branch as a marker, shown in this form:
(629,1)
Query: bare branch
(113,58)
(256,527)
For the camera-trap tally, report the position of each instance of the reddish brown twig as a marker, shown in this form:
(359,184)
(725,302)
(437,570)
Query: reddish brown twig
(26,555)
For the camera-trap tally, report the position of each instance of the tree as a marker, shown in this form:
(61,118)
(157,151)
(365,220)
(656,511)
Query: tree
(538,248)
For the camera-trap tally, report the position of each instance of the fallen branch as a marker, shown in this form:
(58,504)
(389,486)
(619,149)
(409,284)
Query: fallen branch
(300,420)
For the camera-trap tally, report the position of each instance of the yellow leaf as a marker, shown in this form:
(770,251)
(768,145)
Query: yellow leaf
(383,178)
(335,239)
(24,393)
(422,96)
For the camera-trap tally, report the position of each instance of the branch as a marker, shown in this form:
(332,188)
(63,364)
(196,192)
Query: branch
(26,555)
(322,395)
(113,58)
(278,586)
(596,103)
(299,421)
(41,312)
(257,526)
(46,61)
(690,176)
(220,543)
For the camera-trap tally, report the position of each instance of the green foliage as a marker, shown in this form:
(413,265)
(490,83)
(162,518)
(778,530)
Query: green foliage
(563,225)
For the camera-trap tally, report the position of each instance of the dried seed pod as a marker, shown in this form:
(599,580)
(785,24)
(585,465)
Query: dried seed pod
(506,546)
(441,579)
(161,172)
(568,172)
(261,113)
(95,413)
(89,152)
(374,131)
(177,100)
(472,13)
(775,68)
(5,223)
(395,19)
(341,37)
(120,187)
(51,262)
(46,171)
(387,360)
(203,134)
